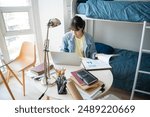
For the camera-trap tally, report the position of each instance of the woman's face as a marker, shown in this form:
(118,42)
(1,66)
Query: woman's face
(78,33)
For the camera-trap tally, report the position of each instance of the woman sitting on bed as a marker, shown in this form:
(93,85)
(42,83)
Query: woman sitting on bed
(79,41)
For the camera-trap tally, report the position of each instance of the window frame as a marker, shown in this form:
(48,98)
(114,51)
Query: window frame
(27,9)
(34,23)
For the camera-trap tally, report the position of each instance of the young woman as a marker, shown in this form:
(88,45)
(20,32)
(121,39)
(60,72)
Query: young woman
(79,41)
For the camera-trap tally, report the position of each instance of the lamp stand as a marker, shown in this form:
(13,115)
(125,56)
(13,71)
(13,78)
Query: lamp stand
(52,23)
(46,59)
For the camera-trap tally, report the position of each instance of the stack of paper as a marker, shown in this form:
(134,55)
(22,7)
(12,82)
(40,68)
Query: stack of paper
(87,94)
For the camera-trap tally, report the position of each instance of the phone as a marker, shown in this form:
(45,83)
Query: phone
(87,77)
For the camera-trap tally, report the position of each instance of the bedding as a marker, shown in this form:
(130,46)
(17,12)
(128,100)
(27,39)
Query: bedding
(134,11)
(124,67)
(104,48)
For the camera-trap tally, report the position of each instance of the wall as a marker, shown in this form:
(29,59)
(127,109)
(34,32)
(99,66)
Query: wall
(52,9)
(120,34)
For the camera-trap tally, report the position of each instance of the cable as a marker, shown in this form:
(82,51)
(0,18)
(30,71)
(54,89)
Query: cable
(43,93)
(52,84)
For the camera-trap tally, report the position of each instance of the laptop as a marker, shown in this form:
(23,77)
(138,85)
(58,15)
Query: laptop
(66,58)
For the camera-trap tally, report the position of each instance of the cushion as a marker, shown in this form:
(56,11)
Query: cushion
(103,48)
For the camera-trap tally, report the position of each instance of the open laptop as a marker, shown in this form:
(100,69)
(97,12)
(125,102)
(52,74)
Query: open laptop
(66,58)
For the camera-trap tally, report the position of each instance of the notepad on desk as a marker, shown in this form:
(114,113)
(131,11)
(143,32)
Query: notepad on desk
(39,69)
(91,64)
(77,78)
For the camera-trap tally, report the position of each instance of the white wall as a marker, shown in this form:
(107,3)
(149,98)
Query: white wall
(120,34)
(52,9)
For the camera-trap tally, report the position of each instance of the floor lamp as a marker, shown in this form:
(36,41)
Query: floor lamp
(51,24)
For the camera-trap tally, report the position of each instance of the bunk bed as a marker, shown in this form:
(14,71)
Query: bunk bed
(131,11)
(124,65)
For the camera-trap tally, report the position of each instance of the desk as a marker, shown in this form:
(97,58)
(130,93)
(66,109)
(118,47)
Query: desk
(103,75)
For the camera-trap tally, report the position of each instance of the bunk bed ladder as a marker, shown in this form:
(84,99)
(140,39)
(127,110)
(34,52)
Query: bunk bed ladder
(141,50)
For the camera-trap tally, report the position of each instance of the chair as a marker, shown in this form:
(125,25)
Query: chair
(25,60)
(5,83)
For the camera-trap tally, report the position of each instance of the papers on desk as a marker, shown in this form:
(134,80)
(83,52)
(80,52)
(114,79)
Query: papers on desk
(91,93)
(90,64)
(105,57)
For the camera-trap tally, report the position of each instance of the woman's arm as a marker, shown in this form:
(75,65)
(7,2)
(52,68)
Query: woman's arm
(64,45)
(91,49)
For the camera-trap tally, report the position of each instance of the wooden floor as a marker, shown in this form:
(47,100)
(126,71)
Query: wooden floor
(124,95)
(33,94)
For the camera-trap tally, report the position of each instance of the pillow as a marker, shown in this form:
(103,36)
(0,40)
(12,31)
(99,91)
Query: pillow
(103,48)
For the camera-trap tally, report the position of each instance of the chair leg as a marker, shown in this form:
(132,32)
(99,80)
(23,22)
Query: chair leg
(14,74)
(7,86)
(8,75)
(23,82)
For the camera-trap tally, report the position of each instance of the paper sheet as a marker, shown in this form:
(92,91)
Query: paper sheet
(105,57)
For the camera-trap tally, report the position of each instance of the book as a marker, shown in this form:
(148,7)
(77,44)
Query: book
(74,74)
(39,70)
(90,91)
(91,64)
(88,87)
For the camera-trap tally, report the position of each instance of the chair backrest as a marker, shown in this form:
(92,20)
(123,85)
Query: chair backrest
(28,52)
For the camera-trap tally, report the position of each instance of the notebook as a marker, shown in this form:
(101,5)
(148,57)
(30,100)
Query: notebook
(66,58)
(90,64)
(39,70)
(80,81)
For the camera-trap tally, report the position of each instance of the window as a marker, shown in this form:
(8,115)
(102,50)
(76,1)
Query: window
(17,26)
(14,43)
(1,64)
(16,21)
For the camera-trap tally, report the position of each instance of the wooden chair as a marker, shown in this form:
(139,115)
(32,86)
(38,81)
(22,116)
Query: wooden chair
(25,60)
(5,83)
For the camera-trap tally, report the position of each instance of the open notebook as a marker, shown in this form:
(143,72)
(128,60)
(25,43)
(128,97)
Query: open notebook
(90,64)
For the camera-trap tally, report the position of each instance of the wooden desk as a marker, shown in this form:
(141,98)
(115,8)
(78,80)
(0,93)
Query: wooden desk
(103,75)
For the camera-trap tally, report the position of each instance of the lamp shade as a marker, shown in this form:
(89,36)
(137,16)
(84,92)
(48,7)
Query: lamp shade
(54,22)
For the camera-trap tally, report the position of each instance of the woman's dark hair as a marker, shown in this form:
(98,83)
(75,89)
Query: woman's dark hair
(77,23)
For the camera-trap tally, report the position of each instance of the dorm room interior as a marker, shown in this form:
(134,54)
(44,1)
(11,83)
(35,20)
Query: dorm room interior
(120,29)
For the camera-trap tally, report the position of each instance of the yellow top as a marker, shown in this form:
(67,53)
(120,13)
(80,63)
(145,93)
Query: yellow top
(79,46)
